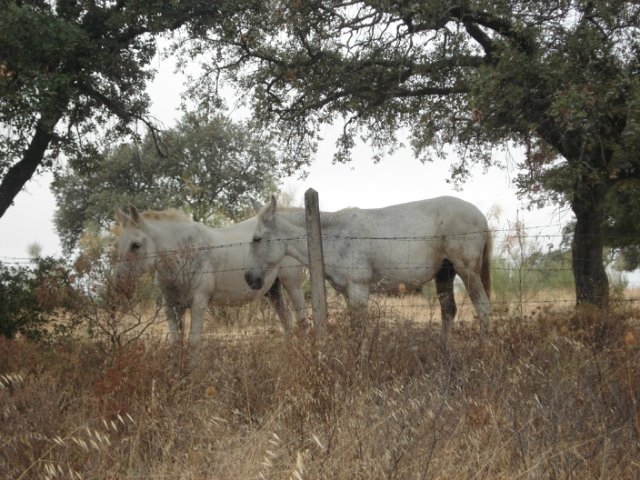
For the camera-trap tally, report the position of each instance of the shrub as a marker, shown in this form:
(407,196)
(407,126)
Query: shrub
(107,314)
(32,297)
(383,402)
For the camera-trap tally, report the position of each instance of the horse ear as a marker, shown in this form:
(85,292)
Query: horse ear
(135,216)
(267,214)
(256,206)
(121,217)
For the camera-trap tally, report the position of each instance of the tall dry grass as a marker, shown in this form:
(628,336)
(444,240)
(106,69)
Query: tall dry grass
(543,400)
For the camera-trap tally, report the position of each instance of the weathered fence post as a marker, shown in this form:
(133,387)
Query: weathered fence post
(316,262)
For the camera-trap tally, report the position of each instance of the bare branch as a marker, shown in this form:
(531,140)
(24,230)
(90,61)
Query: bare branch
(122,112)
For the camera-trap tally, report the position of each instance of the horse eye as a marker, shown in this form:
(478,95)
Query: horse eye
(257,239)
(135,246)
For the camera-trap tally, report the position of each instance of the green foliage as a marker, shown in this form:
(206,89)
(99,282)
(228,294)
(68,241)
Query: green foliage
(33,297)
(521,270)
(470,75)
(73,75)
(63,61)
(533,273)
(211,167)
(557,77)
(623,226)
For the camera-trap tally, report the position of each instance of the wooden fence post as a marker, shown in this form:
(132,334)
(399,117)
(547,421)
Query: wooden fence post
(316,262)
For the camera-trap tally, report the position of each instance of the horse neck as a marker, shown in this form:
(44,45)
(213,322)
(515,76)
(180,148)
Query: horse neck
(294,228)
(170,235)
(295,216)
(292,225)
(330,222)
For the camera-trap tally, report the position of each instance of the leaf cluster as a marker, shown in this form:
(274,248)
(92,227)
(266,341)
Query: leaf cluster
(209,166)
(31,296)
(556,76)
(79,66)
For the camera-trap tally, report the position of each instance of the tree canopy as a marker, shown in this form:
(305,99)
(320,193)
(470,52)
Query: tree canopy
(212,168)
(623,226)
(71,70)
(559,77)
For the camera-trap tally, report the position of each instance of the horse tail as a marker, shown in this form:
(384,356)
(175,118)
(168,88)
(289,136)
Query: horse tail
(485,273)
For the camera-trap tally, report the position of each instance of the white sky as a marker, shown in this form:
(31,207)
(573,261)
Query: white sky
(362,183)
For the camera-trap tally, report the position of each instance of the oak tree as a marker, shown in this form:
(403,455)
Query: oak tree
(209,166)
(71,70)
(559,77)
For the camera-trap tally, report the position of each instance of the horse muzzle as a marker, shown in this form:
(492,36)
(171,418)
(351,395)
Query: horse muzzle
(123,285)
(255,282)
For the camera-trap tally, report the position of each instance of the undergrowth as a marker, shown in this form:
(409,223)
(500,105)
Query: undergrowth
(387,401)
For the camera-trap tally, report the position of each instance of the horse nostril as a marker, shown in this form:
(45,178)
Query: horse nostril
(254,282)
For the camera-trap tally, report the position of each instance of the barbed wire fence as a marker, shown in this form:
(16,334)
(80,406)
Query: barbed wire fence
(500,262)
(522,278)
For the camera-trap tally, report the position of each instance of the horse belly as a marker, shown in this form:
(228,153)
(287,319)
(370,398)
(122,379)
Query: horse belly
(232,298)
(404,264)
(392,283)
(230,289)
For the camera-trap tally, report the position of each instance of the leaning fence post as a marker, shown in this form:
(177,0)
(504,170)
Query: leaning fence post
(316,262)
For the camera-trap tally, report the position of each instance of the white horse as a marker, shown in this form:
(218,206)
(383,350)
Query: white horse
(197,266)
(386,249)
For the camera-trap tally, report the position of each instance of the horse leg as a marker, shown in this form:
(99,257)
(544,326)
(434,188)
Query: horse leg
(175,316)
(198,309)
(274,295)
(444,289)
(293,287)
(357,300)
(473,283)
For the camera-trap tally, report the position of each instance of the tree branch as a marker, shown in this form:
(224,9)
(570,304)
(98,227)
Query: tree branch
(20,173)
(482,38)
(501,26)
(123,113)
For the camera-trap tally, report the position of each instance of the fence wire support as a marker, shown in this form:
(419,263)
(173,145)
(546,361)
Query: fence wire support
(316,262)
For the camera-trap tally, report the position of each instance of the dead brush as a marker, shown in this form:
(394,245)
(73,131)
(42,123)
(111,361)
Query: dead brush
(381,401)
(35,445)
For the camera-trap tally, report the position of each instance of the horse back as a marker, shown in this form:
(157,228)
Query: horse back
(432,218)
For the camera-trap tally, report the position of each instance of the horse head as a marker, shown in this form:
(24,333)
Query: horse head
(267,248)
(135,250)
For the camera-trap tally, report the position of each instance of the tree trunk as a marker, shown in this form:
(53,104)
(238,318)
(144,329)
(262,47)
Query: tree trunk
(20,173)
(592,284)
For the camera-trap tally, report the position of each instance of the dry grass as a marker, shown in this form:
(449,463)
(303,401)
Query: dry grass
(543,400)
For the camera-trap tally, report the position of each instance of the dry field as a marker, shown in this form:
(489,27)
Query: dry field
(554,395)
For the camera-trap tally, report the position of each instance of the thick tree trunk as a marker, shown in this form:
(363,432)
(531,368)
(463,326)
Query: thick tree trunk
(20,173)
(592,284)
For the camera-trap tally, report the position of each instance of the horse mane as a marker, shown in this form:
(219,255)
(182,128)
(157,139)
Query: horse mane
(327,219)
(169,214)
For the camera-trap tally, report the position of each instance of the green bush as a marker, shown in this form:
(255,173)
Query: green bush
(33,296)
